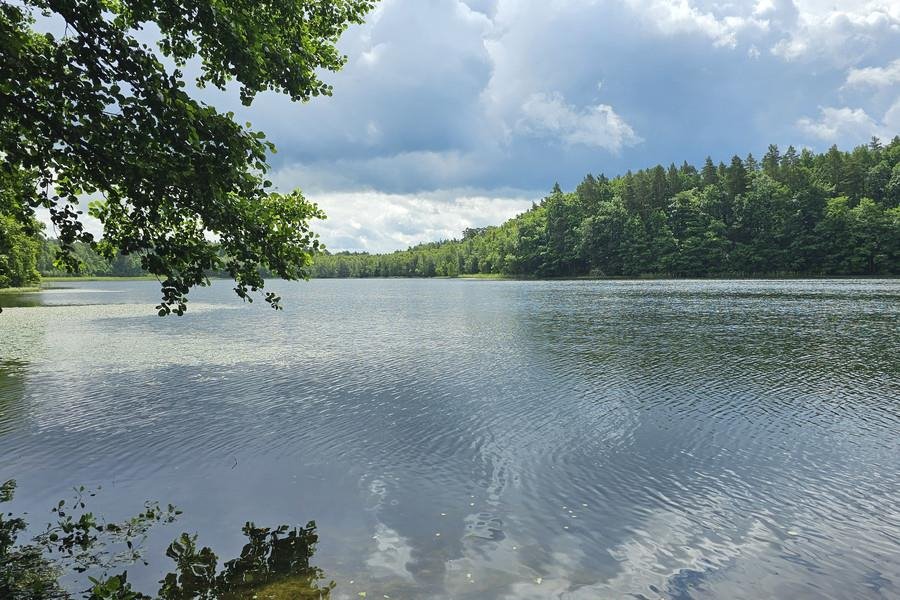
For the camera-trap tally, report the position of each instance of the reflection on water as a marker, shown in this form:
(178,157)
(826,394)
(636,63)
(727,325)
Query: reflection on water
(79,551)
(19,299)
(474,439)
(273,564)
(12,391)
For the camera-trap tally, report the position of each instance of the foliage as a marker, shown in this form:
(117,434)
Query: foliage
(836,213)
(18,234)
(88,262)
(18,254)
(274,563)
(96,113)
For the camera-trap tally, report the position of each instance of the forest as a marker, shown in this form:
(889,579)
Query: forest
(786,214)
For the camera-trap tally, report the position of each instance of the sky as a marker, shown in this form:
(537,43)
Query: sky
(459,113)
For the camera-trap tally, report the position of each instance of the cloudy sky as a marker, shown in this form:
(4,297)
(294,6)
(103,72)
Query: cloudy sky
(456,113)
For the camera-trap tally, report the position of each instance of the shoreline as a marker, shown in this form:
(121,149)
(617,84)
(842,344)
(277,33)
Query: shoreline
(763,277)
(21,290)
(472,277)
(58,279)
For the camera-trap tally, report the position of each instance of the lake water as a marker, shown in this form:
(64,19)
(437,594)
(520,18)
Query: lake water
(483,439)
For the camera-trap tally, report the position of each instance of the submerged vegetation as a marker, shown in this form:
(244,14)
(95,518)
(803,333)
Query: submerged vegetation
(274,563)
(836,213)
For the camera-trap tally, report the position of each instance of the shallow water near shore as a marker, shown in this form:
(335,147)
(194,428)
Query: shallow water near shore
(481,439)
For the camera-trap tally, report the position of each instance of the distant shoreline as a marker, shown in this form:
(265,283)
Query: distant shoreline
(499,277)
(471,277)
(56,279)
(20,290)
(39,286)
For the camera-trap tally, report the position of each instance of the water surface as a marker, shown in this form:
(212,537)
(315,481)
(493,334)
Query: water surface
(472,439)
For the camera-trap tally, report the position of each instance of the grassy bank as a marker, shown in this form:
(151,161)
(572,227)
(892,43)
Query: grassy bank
(97,278)
(42,284)
(20,290)
(490,276)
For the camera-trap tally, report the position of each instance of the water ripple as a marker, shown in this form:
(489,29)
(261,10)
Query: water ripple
(490,439)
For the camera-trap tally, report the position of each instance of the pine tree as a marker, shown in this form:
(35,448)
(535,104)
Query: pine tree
(673,181)
(750,164)
(736,177)
(658,189)
(772,160)
(709,176)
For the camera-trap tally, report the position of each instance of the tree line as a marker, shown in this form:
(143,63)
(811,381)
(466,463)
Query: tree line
(789,213)
(90,262)
(26,255)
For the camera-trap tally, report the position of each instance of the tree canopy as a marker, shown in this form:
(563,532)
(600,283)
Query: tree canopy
(835,213)
(95,113)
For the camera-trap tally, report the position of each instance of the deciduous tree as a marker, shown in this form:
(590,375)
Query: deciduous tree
(96,113)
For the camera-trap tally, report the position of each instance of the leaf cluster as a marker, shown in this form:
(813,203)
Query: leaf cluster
(96,113)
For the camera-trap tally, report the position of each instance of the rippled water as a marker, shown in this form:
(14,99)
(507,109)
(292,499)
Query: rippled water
(473,439)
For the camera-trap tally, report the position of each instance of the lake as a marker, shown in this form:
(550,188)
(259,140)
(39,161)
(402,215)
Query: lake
(483,439)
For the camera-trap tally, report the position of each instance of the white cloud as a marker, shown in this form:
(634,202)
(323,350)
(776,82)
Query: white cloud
(843,33)
(850,125)
(892,121)
(526,100)
(378,222)
(596,126)
(784,11)
(875,76)
(672,17)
